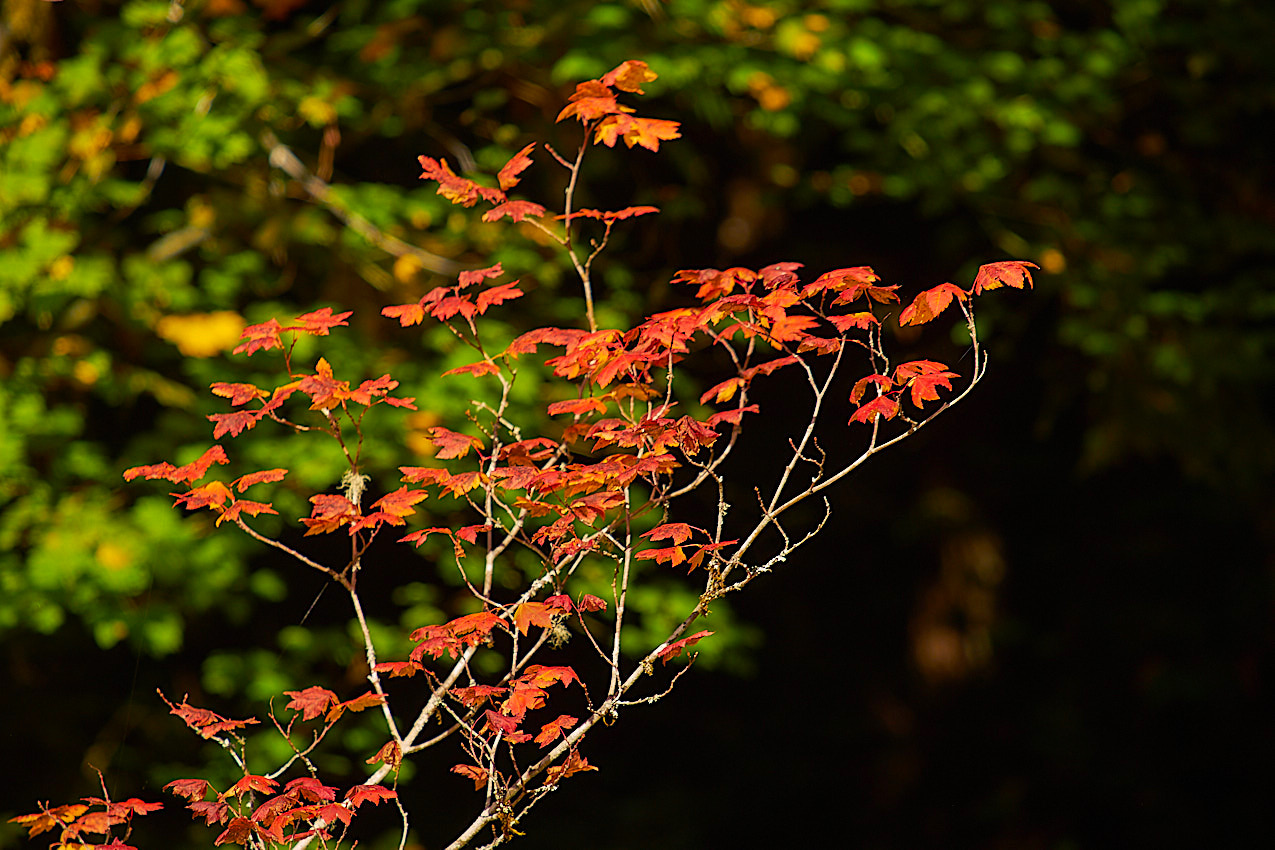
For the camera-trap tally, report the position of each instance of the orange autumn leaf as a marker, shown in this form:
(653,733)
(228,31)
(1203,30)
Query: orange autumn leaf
(629,76)
(930,303)
(508,174)
(1008,273)
(399,502)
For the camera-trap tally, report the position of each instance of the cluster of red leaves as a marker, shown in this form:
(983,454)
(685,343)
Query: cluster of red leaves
(613,368)
(444,302)
(304,806)
(206,723)
(92,816)
(594,103)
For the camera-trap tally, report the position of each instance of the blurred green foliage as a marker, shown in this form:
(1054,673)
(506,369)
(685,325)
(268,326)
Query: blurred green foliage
(143,220)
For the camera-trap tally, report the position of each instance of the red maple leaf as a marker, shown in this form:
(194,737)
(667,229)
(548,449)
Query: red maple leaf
(250,784)
(678,532)
(647,132)
(927,306)
(839,279)
(188,789)
(500,723)
(265,476)
(471,276)
(879,406)
(321,321)
(212,494)
(475,695)
(474,772)
(237,393)
(508,174)
(591,100)
(245,506)
(523,697)
(555,729)
(330,511)
(883,382)
(517,210)
(261,337)
(399,502)
(629,76)
(675,649)
(589,602)
(233,423)
(478,369)
(311,702)
(458,190)
(853,320)
(311,789)
(407,314)
(452,445)
(1008,273)
(498,295)
(374,794)
(533,614)
(367,700)
(574,764)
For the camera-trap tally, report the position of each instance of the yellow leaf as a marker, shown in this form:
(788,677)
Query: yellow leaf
(202,334)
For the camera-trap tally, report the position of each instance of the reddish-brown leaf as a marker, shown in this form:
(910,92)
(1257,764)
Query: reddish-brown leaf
(555,729)
(629,76)
(452,445)
(475,695)
(391,753)
(578,406)
(374,794)
(250,784)
(574,764)
(862,321)
(478,369)
(589,602)
(675,649)
(474,772)
(261,337)
(883,382)
(500,723)
(508,175)
(239,831)
(321,321)
(265,476)
(469,277)
(233,511)
(233,424)
(188,789)
(312,789)
(591,100)
(879,406)
(517,210)
(238,393)
(678,532)
(927,306)
(1008,273)
(498,295)
(311,702)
